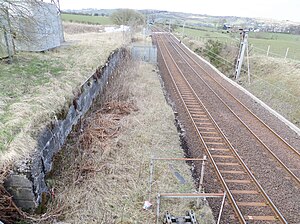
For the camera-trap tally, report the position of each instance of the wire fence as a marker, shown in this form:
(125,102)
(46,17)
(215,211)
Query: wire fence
(271,50)
(254,51)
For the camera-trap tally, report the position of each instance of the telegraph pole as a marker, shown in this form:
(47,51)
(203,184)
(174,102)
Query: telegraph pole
(243,47)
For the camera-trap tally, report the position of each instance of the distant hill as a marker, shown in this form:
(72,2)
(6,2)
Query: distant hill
(203,20)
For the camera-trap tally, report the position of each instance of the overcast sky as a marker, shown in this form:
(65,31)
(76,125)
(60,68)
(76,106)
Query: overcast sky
(276,9)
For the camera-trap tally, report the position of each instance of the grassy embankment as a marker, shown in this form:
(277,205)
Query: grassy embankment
(38,85)
(274,80)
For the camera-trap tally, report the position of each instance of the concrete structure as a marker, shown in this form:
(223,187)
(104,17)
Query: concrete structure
(31,26)
(42,28)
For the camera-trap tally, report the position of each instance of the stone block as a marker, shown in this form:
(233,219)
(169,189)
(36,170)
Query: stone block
(44,137)
(26,205)
(21,188)
(23,194)
(17,180)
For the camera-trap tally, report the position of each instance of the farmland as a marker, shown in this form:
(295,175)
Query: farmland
(100,20)
(259,42)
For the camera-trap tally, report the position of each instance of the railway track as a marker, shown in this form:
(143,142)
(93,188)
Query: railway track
(247,197)
(287,156)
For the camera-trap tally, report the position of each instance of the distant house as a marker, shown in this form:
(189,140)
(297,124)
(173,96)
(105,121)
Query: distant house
(226,27)
(34,26)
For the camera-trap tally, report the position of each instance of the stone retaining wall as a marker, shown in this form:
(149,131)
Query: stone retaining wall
(27,180)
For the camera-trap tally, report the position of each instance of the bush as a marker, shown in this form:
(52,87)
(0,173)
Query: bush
(212,50)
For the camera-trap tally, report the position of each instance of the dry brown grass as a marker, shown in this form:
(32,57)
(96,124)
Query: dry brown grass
(277,83)
(273,80)
(105,171)
(72,28)
(80,56)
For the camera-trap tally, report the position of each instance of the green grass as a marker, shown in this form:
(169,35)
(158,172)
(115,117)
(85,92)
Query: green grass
(38,86)
(19,79)
(278,42)
(100,20)
(273,79)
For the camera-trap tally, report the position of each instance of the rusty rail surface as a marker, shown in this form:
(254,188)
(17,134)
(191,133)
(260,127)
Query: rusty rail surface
(294,154)
(247,198)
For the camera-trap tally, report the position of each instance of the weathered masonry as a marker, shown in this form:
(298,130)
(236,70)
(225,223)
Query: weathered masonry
(27,180)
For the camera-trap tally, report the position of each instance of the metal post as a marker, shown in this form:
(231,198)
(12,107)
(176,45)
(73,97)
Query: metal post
(183,28)
(151,178)
(268,50)
(286,53)
(221,209)
(239,63)
(157,208)
(248,63)
(201,180)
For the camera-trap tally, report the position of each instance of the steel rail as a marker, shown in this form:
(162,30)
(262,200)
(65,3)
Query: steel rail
(242,104)
(225,186)
(273,207)
(247,127)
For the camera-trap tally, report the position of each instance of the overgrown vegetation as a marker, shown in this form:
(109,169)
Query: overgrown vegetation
(221,55)
(275,81)
(105,173)
(39,85)
(212,50)
(21,79)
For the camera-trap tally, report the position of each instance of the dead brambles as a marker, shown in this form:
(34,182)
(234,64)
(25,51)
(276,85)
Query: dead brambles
(101,126)
(121,108)
(104,123)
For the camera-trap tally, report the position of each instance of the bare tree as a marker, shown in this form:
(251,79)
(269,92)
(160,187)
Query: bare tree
(127,17)
(28,23)
(12,12)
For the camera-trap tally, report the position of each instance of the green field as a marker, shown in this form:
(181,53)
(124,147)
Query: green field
(101,20)
(259,42)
